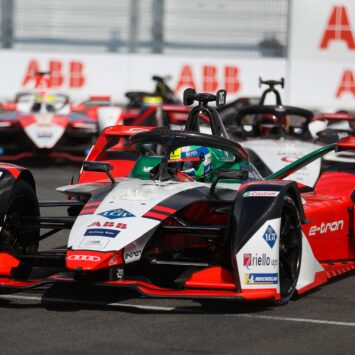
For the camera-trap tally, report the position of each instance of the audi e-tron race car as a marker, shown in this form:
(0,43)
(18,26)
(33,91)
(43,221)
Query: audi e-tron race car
(192,219)
(275,135)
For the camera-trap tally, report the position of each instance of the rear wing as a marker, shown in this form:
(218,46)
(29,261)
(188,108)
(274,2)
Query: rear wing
(339,116)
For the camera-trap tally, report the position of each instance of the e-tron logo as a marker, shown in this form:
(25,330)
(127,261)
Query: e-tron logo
(84,258)
(328,227)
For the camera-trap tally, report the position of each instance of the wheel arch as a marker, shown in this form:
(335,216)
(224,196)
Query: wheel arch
(27,176)
(9,175)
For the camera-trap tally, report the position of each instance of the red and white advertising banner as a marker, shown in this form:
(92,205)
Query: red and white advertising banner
(321,65)
(85,75)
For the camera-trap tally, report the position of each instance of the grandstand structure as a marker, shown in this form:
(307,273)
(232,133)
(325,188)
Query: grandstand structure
(229,28)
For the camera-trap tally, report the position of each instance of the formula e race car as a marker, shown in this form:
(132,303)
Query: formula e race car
(330,127)
(276,135)
(42,123)
(192,218)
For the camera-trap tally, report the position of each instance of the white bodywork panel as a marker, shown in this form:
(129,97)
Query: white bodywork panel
(309,265)
(44,133)
(277,154)
(108,116)
(258,259)
(133,198)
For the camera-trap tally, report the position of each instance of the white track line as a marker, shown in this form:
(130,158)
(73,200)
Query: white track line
(299,320)
(172,309)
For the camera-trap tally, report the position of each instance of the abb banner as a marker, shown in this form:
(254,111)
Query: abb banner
(82,76)
(322,54)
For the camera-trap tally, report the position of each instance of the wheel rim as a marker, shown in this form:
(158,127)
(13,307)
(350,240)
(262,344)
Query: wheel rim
(290,250)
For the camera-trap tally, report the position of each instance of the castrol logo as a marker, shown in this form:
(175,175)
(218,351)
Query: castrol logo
(84,258)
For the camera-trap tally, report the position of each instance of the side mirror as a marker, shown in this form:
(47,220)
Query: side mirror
(229,175)
(99,166)
(221,96)
(189,96)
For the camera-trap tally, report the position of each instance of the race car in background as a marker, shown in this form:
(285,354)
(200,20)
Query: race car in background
(42,123)
(330,127)
(276,135)
(194,219)
(142,107)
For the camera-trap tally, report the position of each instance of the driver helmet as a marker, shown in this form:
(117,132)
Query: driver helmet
(267,122)
(194,161)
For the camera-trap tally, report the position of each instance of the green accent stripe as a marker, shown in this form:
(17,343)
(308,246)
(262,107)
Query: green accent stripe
(300,163)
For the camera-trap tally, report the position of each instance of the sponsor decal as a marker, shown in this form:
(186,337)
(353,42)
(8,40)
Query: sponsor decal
(326,227)
(133,254)
(100,232)
(136,130)
(270,236)
(45,135)
(211,76)
(176,154)
(118,213)
(108,225)
(94,243)
(258,260)
(84,258)
(265,279)
(261,193)
(61,73)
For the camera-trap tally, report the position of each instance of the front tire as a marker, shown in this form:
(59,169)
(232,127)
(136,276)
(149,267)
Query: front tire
(290,250)
(15,239)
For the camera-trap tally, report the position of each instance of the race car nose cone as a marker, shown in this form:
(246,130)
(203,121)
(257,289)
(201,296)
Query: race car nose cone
(90,260)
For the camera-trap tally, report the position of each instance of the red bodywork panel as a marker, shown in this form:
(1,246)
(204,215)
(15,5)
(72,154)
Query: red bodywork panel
(13,169)
(113,147)
(327,210)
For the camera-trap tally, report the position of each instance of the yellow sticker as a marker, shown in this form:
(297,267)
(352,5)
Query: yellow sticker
(176,154)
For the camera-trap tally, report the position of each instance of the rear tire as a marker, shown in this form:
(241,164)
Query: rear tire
(290,250)
(13,238)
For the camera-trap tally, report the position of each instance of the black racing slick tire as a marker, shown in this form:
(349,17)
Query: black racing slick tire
(290,250)
(15,238)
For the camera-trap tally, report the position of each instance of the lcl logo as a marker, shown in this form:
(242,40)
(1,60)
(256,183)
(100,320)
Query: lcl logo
(84,258)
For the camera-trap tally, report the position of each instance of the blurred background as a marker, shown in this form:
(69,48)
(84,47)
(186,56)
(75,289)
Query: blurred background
(108,47)
(241,28)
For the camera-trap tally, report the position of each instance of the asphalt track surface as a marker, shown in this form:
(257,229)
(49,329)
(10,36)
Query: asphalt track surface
(62,320)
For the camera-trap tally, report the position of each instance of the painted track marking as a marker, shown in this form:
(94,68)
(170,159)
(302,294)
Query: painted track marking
(173,309)
(299,320)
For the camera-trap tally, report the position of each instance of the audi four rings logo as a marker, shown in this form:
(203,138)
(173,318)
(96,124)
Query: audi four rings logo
(84,257)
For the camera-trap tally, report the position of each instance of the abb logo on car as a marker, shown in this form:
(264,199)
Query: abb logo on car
(84,258)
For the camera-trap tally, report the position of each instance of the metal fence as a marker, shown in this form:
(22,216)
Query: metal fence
(248,28)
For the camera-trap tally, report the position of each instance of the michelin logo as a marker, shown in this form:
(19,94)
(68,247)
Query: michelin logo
(264,279)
